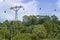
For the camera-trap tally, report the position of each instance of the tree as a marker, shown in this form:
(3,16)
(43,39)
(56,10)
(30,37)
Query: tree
(39,31)
(30,20)
(22,36)
(54,18)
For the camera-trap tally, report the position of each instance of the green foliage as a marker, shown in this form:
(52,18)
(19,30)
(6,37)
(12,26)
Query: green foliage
(32,28)
(22,36)
(39,31)
(30,20)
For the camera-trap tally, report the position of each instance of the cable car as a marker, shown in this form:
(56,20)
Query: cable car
(4,11)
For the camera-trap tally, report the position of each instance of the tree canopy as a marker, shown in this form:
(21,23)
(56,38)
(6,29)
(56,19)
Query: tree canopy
(31,28)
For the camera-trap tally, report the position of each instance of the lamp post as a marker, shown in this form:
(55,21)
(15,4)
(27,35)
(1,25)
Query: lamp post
(16,9)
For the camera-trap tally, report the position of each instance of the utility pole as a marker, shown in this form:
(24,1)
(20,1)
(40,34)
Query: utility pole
(16,9)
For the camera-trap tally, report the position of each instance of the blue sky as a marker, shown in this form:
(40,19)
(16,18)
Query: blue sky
(31,8)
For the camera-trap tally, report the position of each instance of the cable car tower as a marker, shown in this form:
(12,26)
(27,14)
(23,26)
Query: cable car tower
(16,9)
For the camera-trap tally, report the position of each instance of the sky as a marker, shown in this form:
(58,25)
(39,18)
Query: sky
(32,7)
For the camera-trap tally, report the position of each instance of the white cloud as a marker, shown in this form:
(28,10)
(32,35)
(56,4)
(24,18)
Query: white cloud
(58,6)
(58,3)
(57,13)
(30,9)
(1,1)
